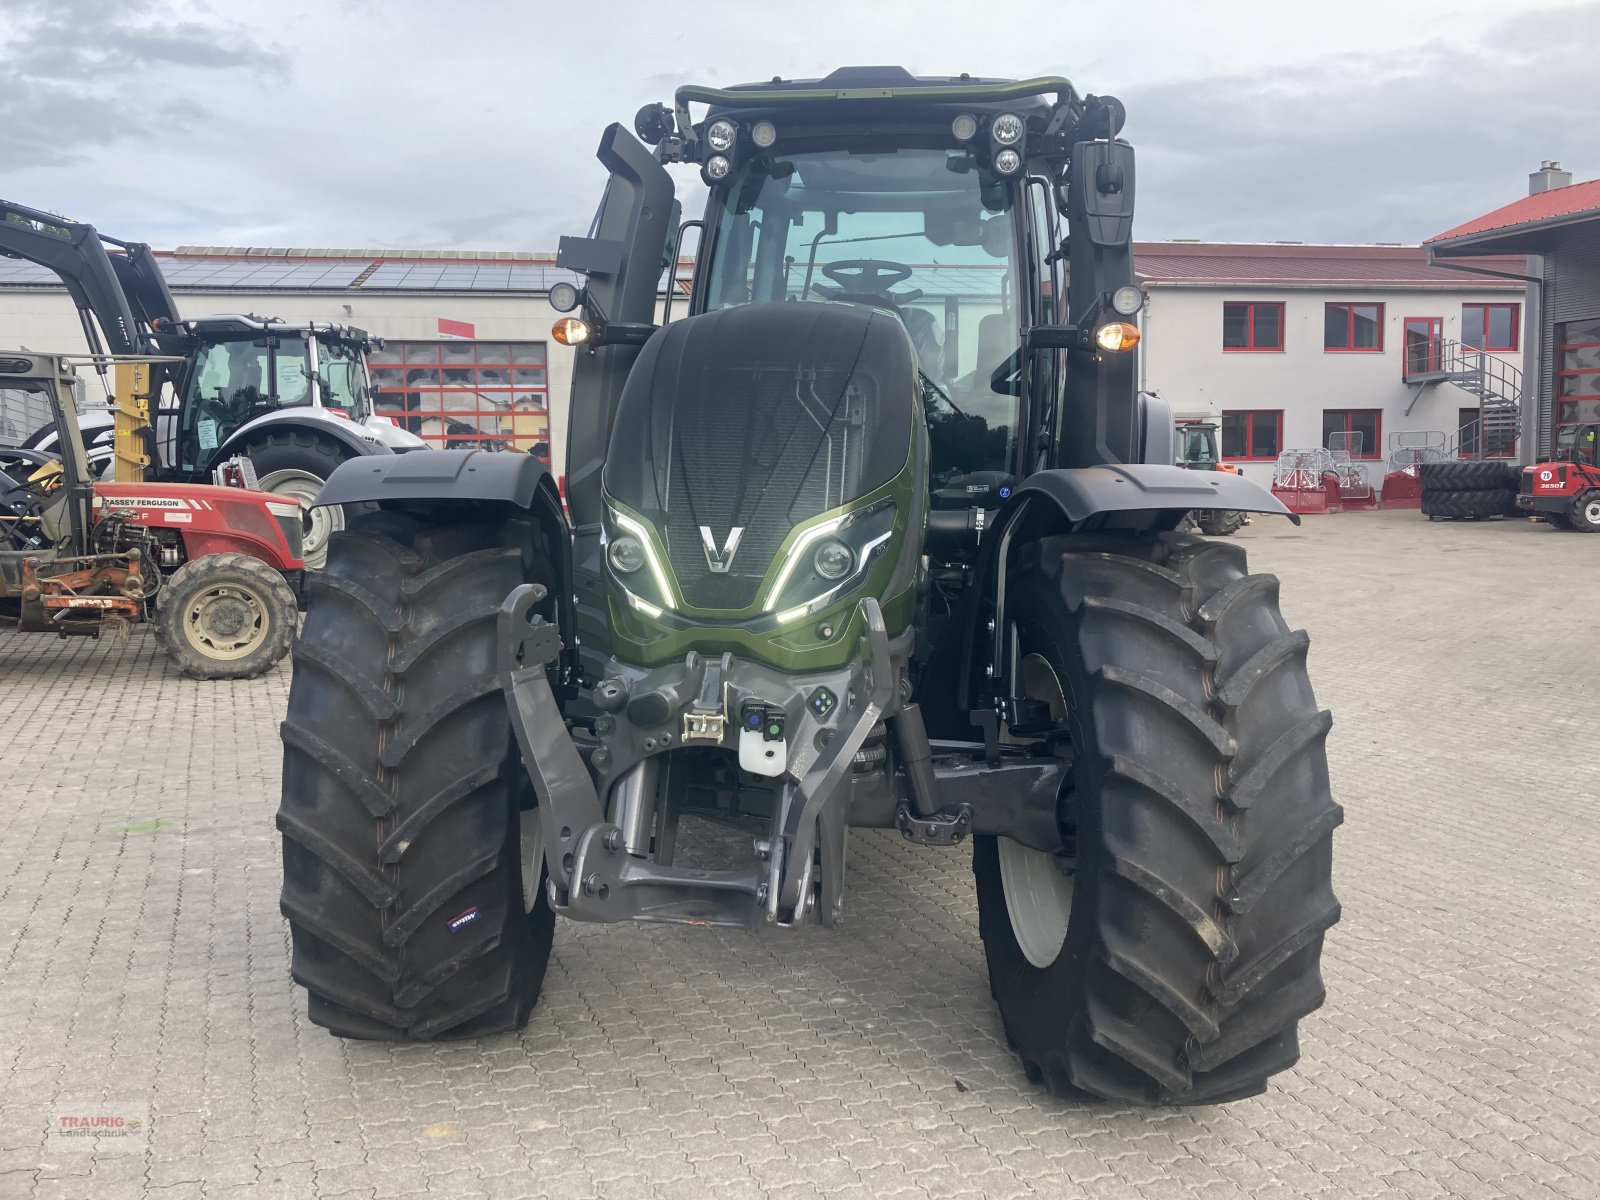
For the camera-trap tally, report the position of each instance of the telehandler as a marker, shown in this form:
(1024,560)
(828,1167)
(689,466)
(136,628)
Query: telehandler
(879,535)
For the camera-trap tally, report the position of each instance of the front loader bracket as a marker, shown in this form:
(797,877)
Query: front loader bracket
(529,645)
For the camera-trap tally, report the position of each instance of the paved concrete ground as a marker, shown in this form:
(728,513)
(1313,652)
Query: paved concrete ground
(143,961)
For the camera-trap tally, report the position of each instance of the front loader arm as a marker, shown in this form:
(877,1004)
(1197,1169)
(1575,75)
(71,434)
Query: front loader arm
(76,253)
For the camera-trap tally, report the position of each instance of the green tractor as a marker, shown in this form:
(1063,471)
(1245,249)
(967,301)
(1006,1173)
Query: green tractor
(879,534)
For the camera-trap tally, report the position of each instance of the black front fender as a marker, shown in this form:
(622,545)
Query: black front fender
(439,475)
(457,480)
(1128,496)
(1155,496)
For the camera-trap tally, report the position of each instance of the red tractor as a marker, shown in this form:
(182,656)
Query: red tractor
(205,565)
(1565,490)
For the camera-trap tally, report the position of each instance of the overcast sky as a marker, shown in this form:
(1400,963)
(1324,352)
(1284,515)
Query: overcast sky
(472,124)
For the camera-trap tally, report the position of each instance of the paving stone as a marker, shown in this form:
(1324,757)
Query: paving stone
(143,959)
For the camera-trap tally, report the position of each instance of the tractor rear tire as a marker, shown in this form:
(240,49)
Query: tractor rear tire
(1473,505)
(1585,516)
(1173,949)
(1467,475)
(415,913)
(1221,522)
(294,464)
(225,616)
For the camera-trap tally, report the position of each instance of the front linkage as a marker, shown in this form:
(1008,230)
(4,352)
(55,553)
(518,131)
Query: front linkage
(600,868)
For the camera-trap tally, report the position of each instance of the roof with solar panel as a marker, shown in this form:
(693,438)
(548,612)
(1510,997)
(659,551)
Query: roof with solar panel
(257,269)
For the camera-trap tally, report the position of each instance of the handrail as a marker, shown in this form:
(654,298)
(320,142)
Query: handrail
(974,92)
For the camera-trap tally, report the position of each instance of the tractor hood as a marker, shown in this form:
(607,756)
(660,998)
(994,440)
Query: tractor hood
(741,432)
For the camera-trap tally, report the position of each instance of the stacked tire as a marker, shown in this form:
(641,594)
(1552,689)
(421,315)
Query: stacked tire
(1468,490)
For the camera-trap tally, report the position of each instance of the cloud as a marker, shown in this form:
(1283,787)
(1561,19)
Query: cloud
(411,123)
(76,75)
(1392,147)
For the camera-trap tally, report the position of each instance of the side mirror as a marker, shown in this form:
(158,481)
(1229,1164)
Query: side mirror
(1100,191)
(1054,337)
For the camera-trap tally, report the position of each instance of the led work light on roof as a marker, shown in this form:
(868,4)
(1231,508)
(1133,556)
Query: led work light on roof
(1006,129)
(571,331)
(1127,300)
(763,133)
(720,135)
(717,168)
(964,127)
(1008,162)
(563,297)
(1117,336)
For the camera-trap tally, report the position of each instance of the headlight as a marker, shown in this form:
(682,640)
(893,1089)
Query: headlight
(627,554)
(1118,335)
(717,167)
(1126,300)
(833,559)
(633,558)
(763,133)
(828,556)
(964,128)
(563,297)
(1008,162)
(719,136)
(1006,129)
(571,331)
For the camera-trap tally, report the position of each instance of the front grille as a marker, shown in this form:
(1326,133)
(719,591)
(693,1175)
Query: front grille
(758,418)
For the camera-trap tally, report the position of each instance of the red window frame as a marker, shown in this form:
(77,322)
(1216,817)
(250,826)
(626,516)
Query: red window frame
(1574,407)
(1433,335)
(1482,319)
(1350,347)
(489,394)
(1367,452)
(1250,416)
(1250,326)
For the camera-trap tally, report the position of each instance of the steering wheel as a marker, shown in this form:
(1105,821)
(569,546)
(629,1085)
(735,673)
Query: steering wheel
(867,276)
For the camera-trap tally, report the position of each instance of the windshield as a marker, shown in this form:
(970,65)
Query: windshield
(1197,444)
(344,379)
(233,381)
(924,234)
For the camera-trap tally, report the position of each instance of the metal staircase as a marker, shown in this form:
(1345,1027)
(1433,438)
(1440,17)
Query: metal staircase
(1496,383)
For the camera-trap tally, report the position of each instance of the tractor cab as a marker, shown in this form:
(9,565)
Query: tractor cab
(936,205)
(1579,444)
(243,367)
(1197,445)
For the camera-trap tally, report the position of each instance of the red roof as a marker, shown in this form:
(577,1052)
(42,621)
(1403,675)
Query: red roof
(1575,199)
(1292,264)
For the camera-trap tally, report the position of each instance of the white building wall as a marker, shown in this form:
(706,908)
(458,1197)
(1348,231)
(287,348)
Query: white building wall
(46,321)
(1182,358)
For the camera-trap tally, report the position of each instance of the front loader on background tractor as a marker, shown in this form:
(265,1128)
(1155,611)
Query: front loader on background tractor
(878,535)
(293,400)
(205,565)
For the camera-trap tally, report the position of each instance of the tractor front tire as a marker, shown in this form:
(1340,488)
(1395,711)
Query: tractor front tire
(1585,516)
(1167,956)
(295,464)
(414,910)
(225,616)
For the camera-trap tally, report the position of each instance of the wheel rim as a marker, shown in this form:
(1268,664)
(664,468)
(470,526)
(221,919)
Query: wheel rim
(317,524)
(1591,511)
(1038,886)
(227,621)
(532,858)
